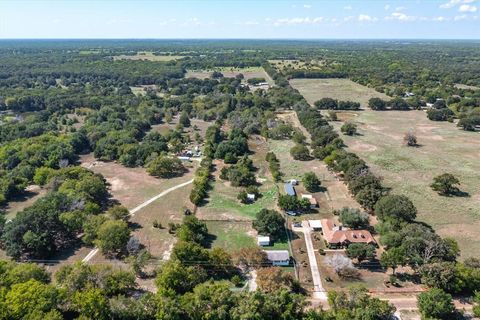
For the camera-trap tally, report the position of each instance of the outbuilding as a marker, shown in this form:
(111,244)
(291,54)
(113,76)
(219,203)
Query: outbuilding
(316,225)
(278,257)
(289,189)
(263,241)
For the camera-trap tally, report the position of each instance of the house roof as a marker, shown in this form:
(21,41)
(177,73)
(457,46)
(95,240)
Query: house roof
(316,224)
(334,233)
(289,189)
(277,255)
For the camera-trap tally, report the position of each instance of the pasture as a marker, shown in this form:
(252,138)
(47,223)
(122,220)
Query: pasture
(340,89)
(410,170)
(147,56)
(290,64)
(232,72)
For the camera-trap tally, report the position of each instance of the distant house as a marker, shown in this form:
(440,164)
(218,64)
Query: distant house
(250,197)
(183,158)
(338,237)
(311,199)
(293,182)
(291,213)
(409,94)
(278,257)
(429,105)
(289,189)
(316,225)
(263,241)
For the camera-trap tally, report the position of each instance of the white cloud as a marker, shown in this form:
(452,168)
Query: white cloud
(249,23)
(400,8)
(298,21)
(453,3)
(440,19)
(467,8)
(400,17)
(347,8)
(461,17)
(349,18)
(307,6)
(387,7)
(366,18)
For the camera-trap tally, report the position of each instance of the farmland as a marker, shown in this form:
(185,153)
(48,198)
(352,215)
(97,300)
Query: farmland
(340,89)
(443,148)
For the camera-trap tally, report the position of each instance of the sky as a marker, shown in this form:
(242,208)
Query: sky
(280,19)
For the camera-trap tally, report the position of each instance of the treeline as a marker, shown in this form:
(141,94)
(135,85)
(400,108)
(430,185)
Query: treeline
(333,104)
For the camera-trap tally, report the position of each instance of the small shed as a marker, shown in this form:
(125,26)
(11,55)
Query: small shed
(289,189)
(250,197)
(263,241)
(278,257)
(316,225)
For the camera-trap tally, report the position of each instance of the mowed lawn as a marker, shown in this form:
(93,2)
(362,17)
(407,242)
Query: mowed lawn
(340,89)
(410,171)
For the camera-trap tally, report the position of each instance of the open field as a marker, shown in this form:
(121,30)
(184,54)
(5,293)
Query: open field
(232,236)
(202,126)
(131,186)
(443,148)
(32,194)
(280,65)
(465,87)
(147,56)
(231,72)
(340,89)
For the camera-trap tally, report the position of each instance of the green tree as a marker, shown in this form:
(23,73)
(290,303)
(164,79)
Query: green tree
(348,128)
(193,229)
(29,298)
(445,184)
(353,218)
(184,120)
(112,236)
(300,152)
(119,213)
(393,258)
(376,104)
(174,278)
(435,304)
(361,251)
(91,303)
(165,167)
(396,208)
(443,275)
(269,222)
(311,182)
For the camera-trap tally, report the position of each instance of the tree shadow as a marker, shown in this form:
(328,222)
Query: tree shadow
(209,239)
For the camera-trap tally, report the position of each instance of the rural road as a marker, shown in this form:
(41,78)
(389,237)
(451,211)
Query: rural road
(318,290)
(94,251)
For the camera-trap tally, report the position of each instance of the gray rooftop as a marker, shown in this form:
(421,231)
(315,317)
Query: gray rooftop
(277,255)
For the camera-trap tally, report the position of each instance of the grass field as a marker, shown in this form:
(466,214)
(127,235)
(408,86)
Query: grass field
(231,72)
(281,65)
(341,89)
(443,148)
(149,56)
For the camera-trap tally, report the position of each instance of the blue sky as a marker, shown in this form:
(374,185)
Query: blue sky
(321,19)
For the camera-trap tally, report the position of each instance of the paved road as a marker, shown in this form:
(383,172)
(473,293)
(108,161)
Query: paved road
(319,291)
(94,251)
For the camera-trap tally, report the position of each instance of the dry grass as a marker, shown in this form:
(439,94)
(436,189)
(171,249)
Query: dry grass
(148,56)
(341,89)
(231,72)
(32,194)
(131,186)
(465,87)
(410,171)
